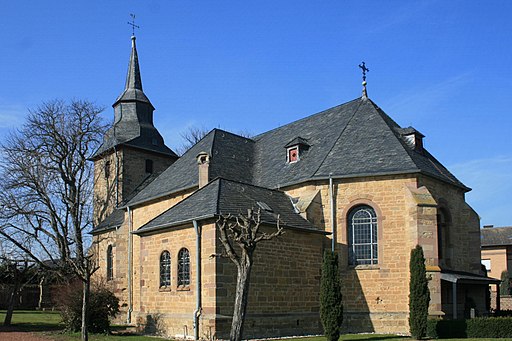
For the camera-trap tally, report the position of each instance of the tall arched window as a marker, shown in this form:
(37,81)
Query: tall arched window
(165,269)
(362,236)
(183,267)
(110,263)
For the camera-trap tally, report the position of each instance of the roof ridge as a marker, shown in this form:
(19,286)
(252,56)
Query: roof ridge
(234,134)
(446,175)
(305,118)
(386,118)
(337,139)
(249,184)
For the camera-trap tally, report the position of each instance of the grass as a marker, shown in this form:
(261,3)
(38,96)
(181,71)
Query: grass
(48,324)
(34,320)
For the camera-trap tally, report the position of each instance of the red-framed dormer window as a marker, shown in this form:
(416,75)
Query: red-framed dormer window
(293,154)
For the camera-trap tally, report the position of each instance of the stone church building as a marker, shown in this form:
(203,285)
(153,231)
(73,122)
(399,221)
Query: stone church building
(349,174)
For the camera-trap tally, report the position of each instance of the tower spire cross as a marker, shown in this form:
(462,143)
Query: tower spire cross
(132,24)
(363,68)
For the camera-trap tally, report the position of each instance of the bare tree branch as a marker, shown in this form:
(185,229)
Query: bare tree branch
(243,231)
(46,186)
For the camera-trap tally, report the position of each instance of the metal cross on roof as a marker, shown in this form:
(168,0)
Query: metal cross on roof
(132,24)
(364,69)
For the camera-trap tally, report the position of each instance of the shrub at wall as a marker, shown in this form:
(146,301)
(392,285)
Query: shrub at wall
(331,305)
(481,327)
(103,305)
(446,329)
(419,296)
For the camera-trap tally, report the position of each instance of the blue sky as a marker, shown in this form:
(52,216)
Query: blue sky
(443,67)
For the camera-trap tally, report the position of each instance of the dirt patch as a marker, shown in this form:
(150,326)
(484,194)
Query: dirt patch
(12,335)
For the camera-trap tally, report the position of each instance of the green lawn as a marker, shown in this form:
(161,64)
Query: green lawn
(47,324)
(34,320)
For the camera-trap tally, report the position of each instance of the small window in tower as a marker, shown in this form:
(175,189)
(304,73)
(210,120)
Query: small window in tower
(107,169)
(293,154)
(149,166)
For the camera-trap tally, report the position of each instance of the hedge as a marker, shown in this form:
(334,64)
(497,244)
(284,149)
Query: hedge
(481,327)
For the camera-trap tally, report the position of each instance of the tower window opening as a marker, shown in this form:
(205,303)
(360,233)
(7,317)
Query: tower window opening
(149,166)
(107,169)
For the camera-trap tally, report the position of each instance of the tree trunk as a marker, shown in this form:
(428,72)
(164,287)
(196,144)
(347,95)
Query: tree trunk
(85,306)
(242,292)
(41,293)
(12,301)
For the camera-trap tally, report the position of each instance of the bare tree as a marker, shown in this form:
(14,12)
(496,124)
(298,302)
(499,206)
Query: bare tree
(46,188)
(190,137)
(244,232)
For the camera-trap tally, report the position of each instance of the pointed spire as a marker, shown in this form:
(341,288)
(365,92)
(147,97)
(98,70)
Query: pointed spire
(133,87)
(133,80)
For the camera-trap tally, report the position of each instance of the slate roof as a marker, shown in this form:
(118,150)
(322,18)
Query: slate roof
(221,197)
(231,156)
(353,139)
(133,123)
(350,140)
(496,236)
(115,219)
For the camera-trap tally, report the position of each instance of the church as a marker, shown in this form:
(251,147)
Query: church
(348,178)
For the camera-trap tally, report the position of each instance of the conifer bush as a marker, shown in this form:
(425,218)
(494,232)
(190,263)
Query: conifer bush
(505,283)
(331,305)
(419,295)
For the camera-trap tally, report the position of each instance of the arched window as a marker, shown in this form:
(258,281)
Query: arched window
(110,263)
(165,269)
(362,236)
(183,267)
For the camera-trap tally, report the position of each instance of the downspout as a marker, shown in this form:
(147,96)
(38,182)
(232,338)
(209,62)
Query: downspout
(130,267)
(454,299)
(197,312)
(333,225)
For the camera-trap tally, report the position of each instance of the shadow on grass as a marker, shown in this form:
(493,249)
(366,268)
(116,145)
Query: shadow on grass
(31,327)
(378,337)
(367,337)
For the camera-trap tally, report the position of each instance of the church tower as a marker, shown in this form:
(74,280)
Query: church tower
(133,151)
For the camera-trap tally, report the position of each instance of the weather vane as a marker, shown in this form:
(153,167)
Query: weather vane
(132,24)
(363,67)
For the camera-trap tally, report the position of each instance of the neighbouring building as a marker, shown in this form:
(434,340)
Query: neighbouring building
(497,257)
(349,172)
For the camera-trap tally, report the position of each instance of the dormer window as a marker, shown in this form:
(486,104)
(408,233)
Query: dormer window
(293,154)
(413,138)
(295,149)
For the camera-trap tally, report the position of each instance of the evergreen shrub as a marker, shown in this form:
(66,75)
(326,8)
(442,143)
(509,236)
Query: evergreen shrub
(505,283)
(331,305)
(481,327)
(419,295)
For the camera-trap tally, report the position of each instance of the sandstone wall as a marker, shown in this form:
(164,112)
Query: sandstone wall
(284,287)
